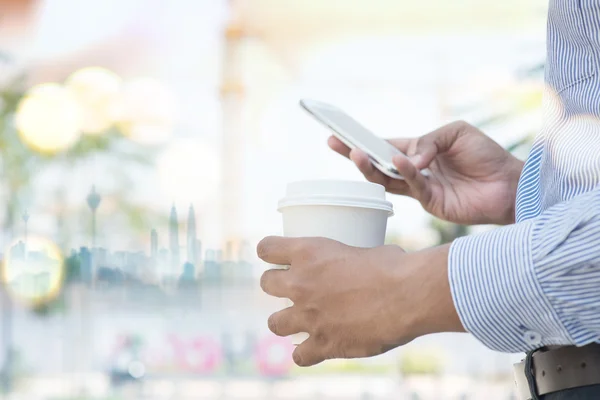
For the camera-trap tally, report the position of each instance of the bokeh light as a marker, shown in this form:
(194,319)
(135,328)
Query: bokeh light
(33,270)
(146,111)
(136,369)
(96,90)
(48,118)
(189,171)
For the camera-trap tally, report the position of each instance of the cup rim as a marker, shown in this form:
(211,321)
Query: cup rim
(301,193)
(336,201)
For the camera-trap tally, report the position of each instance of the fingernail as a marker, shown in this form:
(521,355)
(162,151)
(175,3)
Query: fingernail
(416,159)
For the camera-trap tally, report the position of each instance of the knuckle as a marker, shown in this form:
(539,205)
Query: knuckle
(295,290)
(312,313)
(320,330)
(308,249)
(306,256)
(422,142)
(320,337)
(460,126)
(305,251)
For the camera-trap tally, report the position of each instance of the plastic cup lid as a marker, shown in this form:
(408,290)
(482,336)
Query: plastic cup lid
(336,193)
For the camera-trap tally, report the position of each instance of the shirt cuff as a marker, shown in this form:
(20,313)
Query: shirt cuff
(497,294)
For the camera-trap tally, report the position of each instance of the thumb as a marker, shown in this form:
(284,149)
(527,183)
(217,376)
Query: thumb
(436,142)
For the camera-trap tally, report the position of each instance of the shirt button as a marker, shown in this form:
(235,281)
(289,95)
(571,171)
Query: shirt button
(533,338)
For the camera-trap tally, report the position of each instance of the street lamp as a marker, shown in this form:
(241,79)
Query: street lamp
(93,200)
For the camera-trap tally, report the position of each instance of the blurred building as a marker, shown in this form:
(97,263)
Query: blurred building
(191,239)
(17,251)
(153,245)
(174,240)
(85,265)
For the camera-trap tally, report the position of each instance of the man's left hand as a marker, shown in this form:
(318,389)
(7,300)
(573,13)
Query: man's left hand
(355,302)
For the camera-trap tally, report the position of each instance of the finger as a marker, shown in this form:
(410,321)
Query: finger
(274,282)
(339,147)
(286,322)
(309,353)
(436,142)
(277,250)
(366,167)
(418,184)
(401,188)
(425,152)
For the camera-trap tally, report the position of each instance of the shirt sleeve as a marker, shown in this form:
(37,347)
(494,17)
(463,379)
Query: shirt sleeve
(534,283)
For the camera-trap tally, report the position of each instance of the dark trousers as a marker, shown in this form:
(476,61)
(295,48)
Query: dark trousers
(581,393)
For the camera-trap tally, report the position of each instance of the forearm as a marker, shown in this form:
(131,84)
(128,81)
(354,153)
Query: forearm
(431,308)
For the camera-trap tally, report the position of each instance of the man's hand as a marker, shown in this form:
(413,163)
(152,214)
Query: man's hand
(473,179)
(356,302)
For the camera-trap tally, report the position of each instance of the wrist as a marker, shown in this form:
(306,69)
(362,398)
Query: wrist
(514,174)
(432,309)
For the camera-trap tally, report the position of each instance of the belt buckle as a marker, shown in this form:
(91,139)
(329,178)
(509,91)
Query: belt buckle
(525,378)
(521,384)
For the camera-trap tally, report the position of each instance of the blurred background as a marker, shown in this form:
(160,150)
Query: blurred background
(144,145)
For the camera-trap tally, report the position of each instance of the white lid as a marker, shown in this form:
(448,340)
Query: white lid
(336,193)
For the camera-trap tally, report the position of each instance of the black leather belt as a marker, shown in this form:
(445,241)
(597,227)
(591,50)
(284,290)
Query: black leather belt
(558,369)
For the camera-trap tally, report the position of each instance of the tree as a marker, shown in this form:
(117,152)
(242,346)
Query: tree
(21,165)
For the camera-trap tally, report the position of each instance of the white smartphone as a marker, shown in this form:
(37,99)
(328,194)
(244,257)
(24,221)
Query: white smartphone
(354,135)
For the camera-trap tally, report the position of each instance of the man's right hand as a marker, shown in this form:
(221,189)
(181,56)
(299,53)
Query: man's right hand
(473,180)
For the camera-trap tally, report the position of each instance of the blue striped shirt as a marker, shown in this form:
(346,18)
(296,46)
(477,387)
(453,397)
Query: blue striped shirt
(537,282)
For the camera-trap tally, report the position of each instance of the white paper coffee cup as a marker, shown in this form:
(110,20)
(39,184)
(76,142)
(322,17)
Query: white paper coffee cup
(354,213)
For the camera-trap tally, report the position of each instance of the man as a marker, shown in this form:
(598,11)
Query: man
(531,286)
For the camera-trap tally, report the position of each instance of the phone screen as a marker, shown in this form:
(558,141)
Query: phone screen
(351,131)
